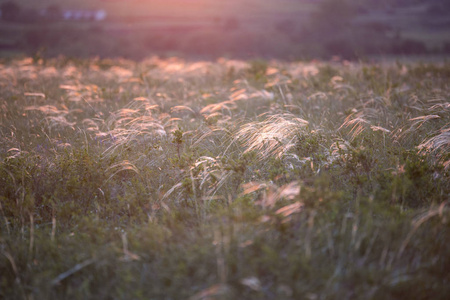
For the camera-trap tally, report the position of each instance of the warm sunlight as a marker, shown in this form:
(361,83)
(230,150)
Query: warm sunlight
(224,149)
(227,179)
(207,8)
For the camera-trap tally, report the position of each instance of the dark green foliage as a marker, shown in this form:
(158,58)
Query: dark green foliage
(258,69)
(309,144)
(178,140)
(414,184)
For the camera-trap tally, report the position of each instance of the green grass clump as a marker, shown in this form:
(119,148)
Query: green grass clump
(168,179)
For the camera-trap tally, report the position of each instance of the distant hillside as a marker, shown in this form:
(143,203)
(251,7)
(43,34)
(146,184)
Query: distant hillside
(290,29)
(179,7)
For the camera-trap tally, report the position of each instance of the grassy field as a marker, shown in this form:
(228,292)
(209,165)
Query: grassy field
(170,179)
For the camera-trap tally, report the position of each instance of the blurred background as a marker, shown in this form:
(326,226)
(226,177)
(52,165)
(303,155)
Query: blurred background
(207,29)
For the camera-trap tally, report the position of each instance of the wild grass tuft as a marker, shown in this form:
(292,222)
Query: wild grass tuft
(274,136)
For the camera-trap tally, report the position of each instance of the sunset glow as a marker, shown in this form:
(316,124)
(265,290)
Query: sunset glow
(224,149)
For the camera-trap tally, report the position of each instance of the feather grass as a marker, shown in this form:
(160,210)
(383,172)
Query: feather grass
(274,136)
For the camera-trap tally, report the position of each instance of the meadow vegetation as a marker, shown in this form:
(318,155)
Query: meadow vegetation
(174,179)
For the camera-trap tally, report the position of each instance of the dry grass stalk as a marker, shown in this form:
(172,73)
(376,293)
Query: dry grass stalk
(309,233)
(213,292)
(272,194)
(357,123)
(438,145)
(30,250)
(290,209)
(127,254)
(432,212)
(71,271)
(53,225)
(272,137)
(13,264)
(120,167)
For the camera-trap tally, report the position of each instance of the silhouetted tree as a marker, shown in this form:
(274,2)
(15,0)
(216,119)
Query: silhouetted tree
(409,46)
(10,11)
(54,12)
(332,16)
(29,15)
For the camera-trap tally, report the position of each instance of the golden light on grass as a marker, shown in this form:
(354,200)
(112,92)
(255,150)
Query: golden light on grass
(438,145)
(204,164)
(273,136)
